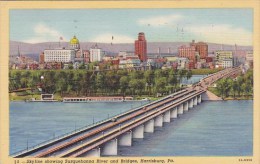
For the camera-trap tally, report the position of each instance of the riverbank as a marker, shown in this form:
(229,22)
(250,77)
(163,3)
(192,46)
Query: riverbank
(241,97)
(14,97)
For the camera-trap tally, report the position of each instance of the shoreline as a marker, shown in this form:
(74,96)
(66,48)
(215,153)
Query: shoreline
(225,99)
(228,99)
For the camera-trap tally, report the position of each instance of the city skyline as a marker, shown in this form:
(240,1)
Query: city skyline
(223,26)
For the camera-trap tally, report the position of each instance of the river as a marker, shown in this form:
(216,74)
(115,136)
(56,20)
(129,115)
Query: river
(220,128)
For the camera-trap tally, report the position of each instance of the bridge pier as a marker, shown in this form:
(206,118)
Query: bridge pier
(158,121)
(186,106)
(138,132)
(174,112)
(199,99)
(195,101)
(110,148)
(167,116)
(149,126)
(125,139)
(93,153)
(190,103)
(180,109)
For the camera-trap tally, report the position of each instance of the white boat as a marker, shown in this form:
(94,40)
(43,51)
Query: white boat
(44,98)
(96,99)
(100,99)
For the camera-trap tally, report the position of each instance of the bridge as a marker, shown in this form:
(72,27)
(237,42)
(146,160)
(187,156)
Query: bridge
(103,138)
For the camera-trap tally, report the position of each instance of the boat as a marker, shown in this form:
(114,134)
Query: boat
(100,99)
(44,98)
(143,99)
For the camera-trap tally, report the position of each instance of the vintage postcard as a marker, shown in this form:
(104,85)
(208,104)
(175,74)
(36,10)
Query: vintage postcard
(125,82)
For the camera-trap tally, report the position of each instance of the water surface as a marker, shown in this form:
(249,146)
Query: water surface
(220,128)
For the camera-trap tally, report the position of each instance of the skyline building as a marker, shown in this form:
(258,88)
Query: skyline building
(201,48)
(62,54)
(74,43)
(224,59)
(59,55)
(96,54)
(141,47)
(187,52)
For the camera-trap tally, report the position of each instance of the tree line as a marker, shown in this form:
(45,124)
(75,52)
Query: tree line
(240,86)
(107,83)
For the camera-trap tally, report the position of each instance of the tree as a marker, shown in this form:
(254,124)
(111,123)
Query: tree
(234,88)
(122,72)
(70,66)
(133,84)
(112,81)
(221,87)
(149,78)
(61,82)
(249,77)
(86,82)
(76,82)
(82,66)
(188,74)
(136,75)
(124,81)
(61,86)
(181,74)
(160,84)
(25,78)
(240,81)
(158,73)
(228,86)
(100,82)
(15,79)
(70,82)
(173,80)
(246,87)
(140,86)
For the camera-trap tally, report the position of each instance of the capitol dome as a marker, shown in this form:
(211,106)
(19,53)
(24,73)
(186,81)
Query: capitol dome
(74,40)
(74,43)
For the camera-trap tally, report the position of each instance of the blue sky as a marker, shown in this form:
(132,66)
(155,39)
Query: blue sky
(227,26)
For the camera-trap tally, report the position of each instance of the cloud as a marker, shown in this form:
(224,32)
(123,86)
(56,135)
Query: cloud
(113,38)
(222,33)
(43,33)
(160,21)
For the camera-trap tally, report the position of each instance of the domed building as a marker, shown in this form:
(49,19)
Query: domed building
(74,43)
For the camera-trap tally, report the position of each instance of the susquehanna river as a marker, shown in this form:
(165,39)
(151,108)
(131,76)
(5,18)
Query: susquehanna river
(220,128)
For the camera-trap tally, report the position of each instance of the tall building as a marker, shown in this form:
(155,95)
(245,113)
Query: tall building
(41,58)
(201,48)
(141,47)
(96,54)
(224,59)
(187,52)
(86,56)
(249,59)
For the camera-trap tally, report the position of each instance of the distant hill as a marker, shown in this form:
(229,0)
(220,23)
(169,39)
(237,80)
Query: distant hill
(152,47)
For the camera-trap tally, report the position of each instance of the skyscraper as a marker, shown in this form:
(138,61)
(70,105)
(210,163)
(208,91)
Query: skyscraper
(141,47)
(201,48)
